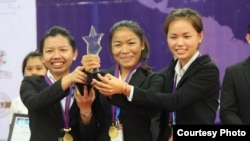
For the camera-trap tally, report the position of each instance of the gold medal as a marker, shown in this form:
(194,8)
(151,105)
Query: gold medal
(113,131)
(67,137)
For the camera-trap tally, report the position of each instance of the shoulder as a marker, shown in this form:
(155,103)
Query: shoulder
(168,70)
(205,61)
(34,78)
(239,65)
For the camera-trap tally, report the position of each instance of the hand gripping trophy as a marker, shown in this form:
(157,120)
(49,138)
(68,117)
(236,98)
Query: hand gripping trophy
(93,47)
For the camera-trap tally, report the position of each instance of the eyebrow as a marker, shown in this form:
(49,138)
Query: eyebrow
(127,40)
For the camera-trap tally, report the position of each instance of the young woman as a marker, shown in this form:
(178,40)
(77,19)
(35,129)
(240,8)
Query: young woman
(119,119)
(32,65)
(191,85)
(53,112)
(192,81)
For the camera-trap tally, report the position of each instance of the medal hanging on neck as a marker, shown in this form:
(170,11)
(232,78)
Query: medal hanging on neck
(67,129)
(65,111)
(113,129)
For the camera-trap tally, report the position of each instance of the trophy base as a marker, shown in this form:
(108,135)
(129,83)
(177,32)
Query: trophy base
(90,77)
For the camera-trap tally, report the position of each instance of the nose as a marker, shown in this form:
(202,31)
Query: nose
(34,72)
(124,48)
(179,41)
(56,54)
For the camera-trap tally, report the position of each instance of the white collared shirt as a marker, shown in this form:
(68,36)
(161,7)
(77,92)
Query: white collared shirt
(179,72)
(63,101)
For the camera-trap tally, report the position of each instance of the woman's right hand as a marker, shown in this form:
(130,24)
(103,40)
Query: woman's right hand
(91,62)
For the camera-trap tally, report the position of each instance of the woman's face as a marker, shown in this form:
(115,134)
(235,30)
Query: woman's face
(126,47)
(183,40)
(58,55)
(34,66)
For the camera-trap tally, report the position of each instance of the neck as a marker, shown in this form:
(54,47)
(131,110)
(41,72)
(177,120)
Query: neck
(58,76)
(124,73)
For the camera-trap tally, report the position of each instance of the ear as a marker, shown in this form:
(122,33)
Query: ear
(248,38)
(142,46)
(75,55)
(201,36)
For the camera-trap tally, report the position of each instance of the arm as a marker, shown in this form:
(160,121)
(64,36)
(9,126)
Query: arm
(197,86)
(97,127)
(154,83)
(37,95)
(117,91)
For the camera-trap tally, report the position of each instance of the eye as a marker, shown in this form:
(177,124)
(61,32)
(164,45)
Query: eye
(186,37)
(63,49)
(117,45)
(40,68)
(172,37)
(132,43)
(28,69)
(48,51)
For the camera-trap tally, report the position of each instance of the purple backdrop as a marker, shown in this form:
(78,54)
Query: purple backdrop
(225,25)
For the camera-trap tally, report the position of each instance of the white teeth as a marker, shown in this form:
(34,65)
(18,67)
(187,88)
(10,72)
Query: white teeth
(57,64)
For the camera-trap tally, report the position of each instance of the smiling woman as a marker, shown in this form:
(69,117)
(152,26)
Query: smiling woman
(49,99)
(120,119)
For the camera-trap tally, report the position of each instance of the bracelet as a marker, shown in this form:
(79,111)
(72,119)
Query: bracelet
(87,114)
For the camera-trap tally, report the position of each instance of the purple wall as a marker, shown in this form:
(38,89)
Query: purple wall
(78,18)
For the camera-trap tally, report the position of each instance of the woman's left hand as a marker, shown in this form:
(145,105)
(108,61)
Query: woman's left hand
(109,85)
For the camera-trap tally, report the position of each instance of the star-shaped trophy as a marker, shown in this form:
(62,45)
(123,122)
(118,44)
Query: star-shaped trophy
(93,41)
(93,47)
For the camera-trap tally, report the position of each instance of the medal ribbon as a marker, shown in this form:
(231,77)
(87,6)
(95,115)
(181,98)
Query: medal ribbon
(172,115)
(115,109)
(65,112)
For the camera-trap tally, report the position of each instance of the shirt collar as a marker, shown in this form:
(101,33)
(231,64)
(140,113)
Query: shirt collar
(50,76)
(180,71)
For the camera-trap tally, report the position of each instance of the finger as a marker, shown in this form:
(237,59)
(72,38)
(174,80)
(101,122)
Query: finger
(98,83)
(81,68)
(92,92)
(85,89)
(76,91)
(109,75)
(102,78)
(104,90)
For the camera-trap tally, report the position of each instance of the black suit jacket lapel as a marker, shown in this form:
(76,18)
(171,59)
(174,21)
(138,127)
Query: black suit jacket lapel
(56,106)
(194,67)
(138,78)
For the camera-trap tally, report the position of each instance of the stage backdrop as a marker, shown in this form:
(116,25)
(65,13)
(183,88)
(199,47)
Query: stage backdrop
(225,25)
(18,37)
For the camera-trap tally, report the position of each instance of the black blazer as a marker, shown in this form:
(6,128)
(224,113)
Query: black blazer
(195,100)
(135,118)
(235,97)
(44,109)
